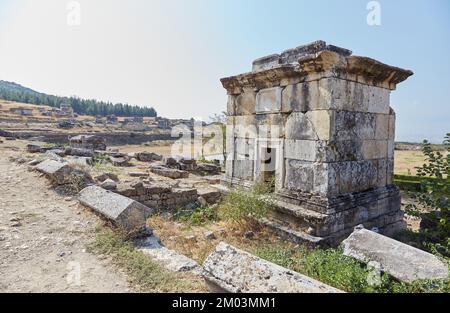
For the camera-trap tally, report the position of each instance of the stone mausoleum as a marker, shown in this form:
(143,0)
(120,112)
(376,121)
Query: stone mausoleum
(316,121)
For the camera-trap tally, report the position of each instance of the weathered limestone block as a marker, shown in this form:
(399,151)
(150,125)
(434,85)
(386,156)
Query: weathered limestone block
(169,172)
(391,135)
(232,270)
(211,195)
(245,126)
(57,172)
(148,157)
(119,161)
(300,97)
(208,168)
(170,259)
(81,152)
(138,174)
(246,102)
(403,262)
(305,150)
(123,211)
(268,100)
(374,149)
(382,127)
(231,105)
(299,127)
(243,169)
(32,148)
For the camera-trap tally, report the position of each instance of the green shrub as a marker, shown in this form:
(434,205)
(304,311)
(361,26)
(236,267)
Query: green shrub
(435,181)
(243,206)
(333,268)
(198,216)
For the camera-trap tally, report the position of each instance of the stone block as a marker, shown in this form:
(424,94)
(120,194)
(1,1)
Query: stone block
(300,127)
(231,105)
(148,157)
(230,269)
(268,100)
(32,148)
(391,134)
(299,175)
(169,259)
(374,149)
(300,97)
(382,127)
(245,102)
(401,261)
(57,172)
(243,169)
(123,211)
(321,123)
(169,172)
(306,150)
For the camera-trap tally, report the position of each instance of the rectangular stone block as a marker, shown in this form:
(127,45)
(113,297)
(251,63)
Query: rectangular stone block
(243,169)
(391,127)
(301,97)
(374,149)
(245,148)
(401,261)
(123,211)
(232,270)
(382,127)
(231,105)
(268,100)
(245,126)
(305,150)
(245,102)
(57,172)
(299,175)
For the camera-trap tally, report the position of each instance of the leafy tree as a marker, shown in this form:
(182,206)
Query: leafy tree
(435,180)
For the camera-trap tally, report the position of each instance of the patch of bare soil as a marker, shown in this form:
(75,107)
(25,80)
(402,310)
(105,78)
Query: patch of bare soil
(44,237)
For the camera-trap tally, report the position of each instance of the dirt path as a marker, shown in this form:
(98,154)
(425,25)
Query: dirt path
(43,238)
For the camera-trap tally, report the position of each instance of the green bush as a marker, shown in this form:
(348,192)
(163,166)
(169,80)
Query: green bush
(435,181)
(333,268)
(243,206)
(198,216)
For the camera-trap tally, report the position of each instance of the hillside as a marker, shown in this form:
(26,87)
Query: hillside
(14,92)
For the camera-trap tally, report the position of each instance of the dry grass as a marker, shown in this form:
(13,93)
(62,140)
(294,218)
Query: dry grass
(406,161)
(177,236)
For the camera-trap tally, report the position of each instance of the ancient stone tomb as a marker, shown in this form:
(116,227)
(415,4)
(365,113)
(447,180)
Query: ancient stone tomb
(316,121)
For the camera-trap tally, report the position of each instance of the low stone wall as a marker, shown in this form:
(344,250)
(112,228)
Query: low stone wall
(158,195)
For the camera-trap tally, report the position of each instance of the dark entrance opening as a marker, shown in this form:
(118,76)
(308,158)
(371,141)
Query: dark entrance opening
(268,167)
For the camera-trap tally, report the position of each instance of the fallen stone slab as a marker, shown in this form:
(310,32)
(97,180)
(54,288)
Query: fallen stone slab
(208,168)
(119,161)
(232,270)
(32,148)
(211,195)
(57,172)
(400,260)
(170,259)
(82,161)
(81,152)
(123,211)
(138,174)
(169,172)
(109,184)
(106,175)
(148,157)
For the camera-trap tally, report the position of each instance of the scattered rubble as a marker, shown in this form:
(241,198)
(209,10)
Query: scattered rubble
(228,269)
(401,261)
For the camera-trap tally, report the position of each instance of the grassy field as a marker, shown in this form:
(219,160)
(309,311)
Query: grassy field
(407,161)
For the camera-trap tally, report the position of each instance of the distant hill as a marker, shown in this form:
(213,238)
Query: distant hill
(14,92)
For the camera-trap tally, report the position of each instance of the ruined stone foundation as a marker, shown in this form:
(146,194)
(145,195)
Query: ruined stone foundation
(317,120)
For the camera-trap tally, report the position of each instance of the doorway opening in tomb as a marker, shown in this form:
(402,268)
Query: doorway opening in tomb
(268,167)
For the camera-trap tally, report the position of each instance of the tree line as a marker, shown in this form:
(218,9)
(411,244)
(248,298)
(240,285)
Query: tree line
(80,106)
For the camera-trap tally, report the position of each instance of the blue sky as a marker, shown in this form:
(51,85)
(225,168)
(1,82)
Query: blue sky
(171,54)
